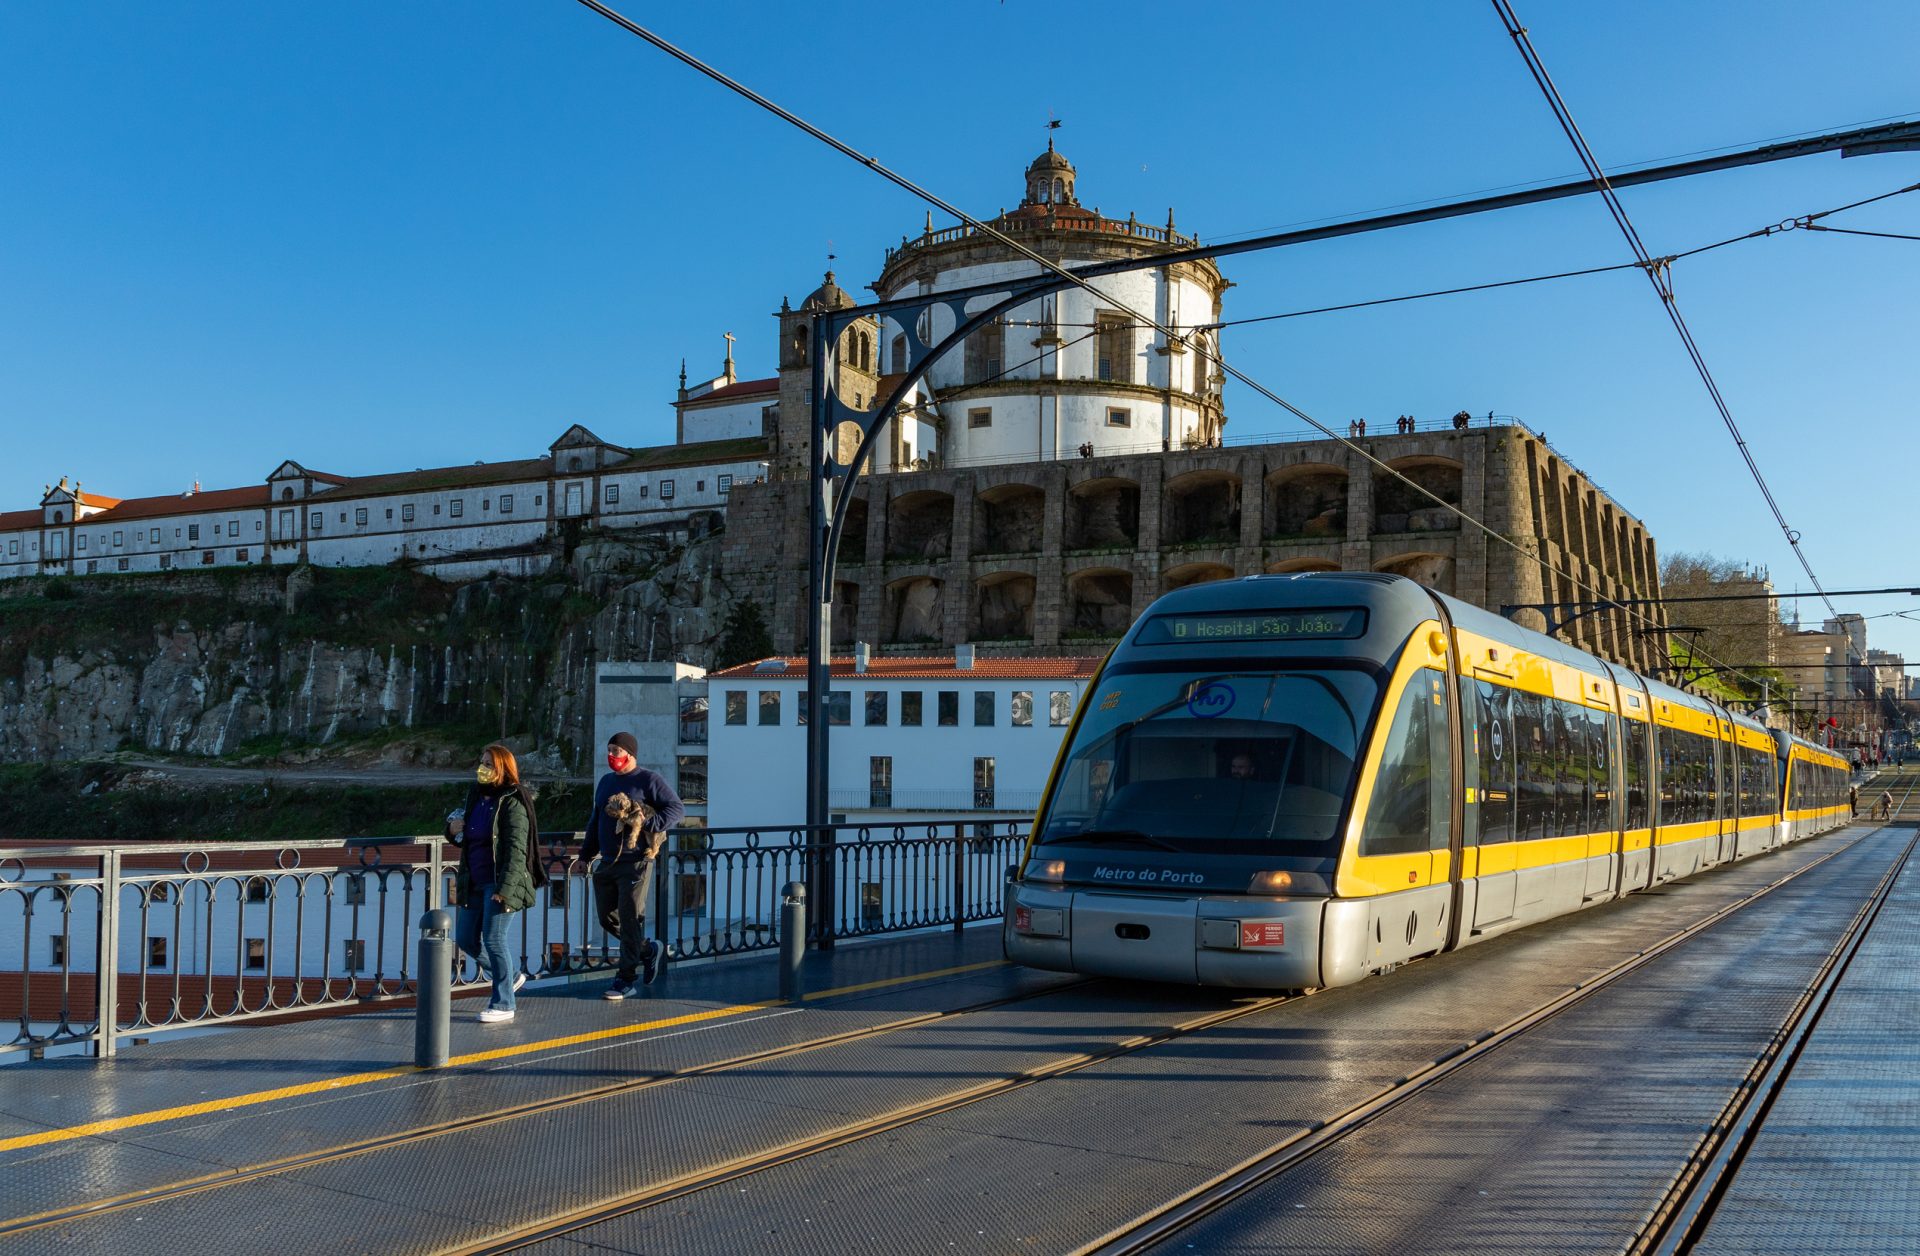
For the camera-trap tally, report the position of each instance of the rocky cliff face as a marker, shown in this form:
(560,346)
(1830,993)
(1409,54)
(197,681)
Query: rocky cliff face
(210,663)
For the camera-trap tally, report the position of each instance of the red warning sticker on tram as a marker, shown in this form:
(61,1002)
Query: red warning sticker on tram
(1263,933)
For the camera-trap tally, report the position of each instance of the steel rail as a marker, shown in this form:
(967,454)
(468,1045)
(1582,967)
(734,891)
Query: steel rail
(1152,1228)
(498,1116)
(1688,1208)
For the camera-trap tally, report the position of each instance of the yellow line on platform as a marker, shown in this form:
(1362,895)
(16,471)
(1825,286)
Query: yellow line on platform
(207,1107)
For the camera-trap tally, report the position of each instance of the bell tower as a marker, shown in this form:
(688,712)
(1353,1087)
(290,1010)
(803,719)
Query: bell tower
(857,383)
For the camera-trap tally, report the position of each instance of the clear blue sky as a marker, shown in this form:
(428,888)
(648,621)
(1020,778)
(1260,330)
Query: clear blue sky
(373,236)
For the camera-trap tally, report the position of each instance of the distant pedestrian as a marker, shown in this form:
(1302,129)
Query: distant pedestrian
(498,872)
(1853,800)
(633,807)
(1461,420)
(1883,810)
(1361,427)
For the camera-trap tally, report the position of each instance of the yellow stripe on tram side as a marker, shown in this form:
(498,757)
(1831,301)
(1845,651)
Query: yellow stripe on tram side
(255,1098)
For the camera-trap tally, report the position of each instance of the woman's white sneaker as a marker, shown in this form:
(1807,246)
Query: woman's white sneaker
(494,1015)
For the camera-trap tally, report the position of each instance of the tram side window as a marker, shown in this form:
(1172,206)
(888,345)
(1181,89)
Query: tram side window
(1600,816)
(1497,743)
(1533,768)
(1408,811)
(1636,773)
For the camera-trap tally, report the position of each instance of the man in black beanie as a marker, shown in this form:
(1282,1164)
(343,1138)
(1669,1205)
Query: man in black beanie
(624,878)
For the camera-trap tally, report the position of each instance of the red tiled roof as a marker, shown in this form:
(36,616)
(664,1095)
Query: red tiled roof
(16,520)
(937,667)
(440,478)
(183,504)
(95,499)
(734,391)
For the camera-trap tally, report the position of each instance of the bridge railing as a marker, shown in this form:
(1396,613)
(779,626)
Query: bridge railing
(99,943)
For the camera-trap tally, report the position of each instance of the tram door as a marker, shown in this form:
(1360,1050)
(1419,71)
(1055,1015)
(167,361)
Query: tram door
(1488,773)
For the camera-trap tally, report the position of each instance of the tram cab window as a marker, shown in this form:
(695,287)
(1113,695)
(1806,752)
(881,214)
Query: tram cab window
(1409,808)
(1239,763)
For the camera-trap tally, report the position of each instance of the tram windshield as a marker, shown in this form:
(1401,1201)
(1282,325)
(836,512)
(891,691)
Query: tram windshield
(1217,763)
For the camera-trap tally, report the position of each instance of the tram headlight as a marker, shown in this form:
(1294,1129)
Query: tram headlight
(1049,871)
(1276,882)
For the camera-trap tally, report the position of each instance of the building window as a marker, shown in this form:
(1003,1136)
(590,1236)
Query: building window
(1059,708)
(536,501)
(839,708)
(260,525)
(457,507)
(872,908)
(1022,708)
(193,534)
(557,897)
(406,512)
(1118,417)
(506,503)
(693,720)
(156,952)
(92,566)
(641,492)
(666,489)
(360,517)
(736,706)
(206,558)
(949,708)
(353,956)
(769,706)
(983,782)
(726,485)
(166,560)
(239,556)
(256,889)
(124,563)
(613,494)
(314,521)
(699,486)
(693,777)
(233,527)
(343,516)
(1115,332)
(355,890)
(981,416)
(983,709)
(118,539)
(910,704)
(154,537)
(389,514)
(486,505)
(436,508)
(876,708)
(57,952)
(880,781)
(256,954)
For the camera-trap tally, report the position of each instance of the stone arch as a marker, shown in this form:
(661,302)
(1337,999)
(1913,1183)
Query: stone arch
(853,534)
(920,525)
(1202,507)
(1099,602)
(799,340)
(1397,507)
(1194,573)
(1009,519)
(846,613)
(1103,514)
(1433,570)
(1284,566)
(1003,607)
(1307,499)
(915,610)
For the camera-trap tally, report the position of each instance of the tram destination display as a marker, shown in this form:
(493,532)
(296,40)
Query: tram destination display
(1227,627)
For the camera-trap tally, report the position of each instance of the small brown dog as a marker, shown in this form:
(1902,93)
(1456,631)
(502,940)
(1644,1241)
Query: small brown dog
(630,817)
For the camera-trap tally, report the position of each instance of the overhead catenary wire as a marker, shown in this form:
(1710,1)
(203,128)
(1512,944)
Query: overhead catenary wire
(1656,275)
(1054,268)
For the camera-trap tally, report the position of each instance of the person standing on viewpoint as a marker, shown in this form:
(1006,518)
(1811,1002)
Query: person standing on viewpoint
(498,873)
(624,879)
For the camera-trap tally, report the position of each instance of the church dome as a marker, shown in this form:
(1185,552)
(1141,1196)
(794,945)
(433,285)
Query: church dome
(828,296)
(1050,180)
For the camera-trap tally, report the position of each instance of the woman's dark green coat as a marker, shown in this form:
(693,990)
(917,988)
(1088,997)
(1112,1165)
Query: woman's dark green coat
(515,848)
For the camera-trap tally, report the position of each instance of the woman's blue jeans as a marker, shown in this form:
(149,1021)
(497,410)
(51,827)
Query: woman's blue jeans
(481,931)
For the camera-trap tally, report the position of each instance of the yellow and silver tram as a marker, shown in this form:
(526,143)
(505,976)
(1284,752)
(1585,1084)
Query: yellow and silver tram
(1291,782)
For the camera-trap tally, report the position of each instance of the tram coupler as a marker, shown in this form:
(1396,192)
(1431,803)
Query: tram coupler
(793,938)
(433,999)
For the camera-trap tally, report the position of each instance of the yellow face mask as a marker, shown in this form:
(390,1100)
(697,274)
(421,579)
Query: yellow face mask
(485,774)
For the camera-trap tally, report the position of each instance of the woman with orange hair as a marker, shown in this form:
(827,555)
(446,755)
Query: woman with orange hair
(498,872)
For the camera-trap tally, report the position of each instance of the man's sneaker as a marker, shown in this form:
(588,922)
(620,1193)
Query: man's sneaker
(494,1015)
(519,979)
(650,966)
(618,990)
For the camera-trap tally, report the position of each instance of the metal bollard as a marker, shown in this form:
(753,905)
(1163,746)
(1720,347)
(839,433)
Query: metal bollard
(433,1001)
(793,938)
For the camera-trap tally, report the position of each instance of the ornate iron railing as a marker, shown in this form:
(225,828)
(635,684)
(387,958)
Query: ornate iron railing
(101,943)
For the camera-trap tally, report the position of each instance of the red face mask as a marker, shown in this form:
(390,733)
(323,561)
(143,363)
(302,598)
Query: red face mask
(618,760)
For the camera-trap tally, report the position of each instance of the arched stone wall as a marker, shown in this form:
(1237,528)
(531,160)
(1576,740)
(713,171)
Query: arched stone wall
(1009,519)
(915,611)
(920,525)
(1099,602)
(1103,514)
(1397,507)
(1309,499)
(1201,507)
(1194,573)
(1433,570)
(1003,607)
(1286,565)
